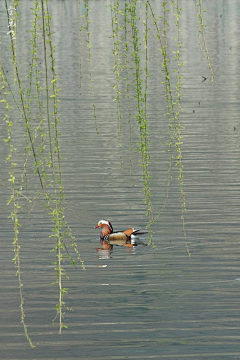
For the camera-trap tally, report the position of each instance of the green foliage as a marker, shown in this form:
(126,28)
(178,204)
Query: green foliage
(87,28)
(201,27)
(13,201)
(130,33)
(140,89)
(116,28)
(80,45)
(125,67)
(48,135)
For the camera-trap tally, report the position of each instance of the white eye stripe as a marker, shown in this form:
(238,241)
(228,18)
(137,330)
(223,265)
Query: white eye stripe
(103,222)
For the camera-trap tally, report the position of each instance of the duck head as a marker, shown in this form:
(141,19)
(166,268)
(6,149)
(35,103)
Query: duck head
(106,228)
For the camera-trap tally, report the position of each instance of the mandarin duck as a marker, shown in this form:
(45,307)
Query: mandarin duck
(108,237)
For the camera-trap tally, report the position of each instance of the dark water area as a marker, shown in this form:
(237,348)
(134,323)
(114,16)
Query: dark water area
(140,303)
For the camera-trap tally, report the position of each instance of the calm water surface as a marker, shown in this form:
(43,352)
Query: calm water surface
(143,303)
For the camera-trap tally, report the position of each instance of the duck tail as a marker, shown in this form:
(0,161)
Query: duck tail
(139,232)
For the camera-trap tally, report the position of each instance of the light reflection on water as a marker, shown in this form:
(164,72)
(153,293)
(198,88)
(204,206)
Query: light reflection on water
(139,303)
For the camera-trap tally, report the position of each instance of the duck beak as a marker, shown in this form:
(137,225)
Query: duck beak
(96,226)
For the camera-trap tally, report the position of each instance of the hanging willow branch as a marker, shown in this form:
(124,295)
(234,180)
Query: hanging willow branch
(126,67)
(201,28)
(173,106)
(170,103)
(24,106)
(141,116)
(117,66)
(88,22)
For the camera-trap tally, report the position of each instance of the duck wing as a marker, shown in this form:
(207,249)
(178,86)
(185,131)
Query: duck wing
(134,231)
(119,235)
(124,235)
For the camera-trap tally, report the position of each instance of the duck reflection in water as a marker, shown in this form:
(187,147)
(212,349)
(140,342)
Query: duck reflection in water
(108,237)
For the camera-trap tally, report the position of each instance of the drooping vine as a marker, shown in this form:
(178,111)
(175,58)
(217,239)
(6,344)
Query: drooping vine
(201,27)
(141,116)
(80,44)
(166,82)
(115,12)
(178,126)
(14,202)
(58,210)
(174,107)
(126,79)
(87,25)
(24,104)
